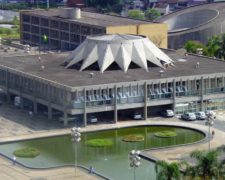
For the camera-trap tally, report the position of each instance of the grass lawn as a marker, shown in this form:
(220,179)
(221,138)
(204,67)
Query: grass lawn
(133,138)
(165,134)
(99,142)
(27,152)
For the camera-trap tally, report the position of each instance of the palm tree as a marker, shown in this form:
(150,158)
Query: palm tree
(207,166)
(167,171)
(221,51)
(213,46)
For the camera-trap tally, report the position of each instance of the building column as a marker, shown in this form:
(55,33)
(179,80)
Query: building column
(209,83)
(202,93)
(145,101)
(215,79)
(115,105)
(7,87)
(174,95)
(223,81)
(49,112)
(85,109)
(65,114)
(20,94)
(65,118)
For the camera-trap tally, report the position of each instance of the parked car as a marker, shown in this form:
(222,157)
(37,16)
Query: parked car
(167,113)
(188,116)
(137,116)
(200,115)
(92,119)
(210,112)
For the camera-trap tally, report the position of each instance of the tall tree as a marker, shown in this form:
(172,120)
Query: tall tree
(213,46)
(207,165)
(167,171)
(151,14)
(221,51)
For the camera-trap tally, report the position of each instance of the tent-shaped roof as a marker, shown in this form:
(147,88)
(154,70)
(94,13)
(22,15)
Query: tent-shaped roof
(122,49)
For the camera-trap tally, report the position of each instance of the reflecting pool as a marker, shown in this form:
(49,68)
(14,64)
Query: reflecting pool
(111,161)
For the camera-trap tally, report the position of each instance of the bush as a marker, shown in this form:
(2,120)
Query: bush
(165,134)
(99,142)
(133,138)
(192,46)
(136,14)
(27,152)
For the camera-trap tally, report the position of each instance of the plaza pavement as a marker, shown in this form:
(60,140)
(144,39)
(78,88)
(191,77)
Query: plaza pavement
(16,125)
(8,171)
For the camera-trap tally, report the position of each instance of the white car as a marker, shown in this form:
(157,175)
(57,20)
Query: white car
(137,116)
(188,116)
(92,119)
(167,113)
(201,115)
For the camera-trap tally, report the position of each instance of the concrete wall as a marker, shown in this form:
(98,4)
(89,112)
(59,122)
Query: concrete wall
(155,32)
(178,40)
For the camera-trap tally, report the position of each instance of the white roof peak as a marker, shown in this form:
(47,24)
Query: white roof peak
(120,48)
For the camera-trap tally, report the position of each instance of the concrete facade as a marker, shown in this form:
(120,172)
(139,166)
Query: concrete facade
(182,88)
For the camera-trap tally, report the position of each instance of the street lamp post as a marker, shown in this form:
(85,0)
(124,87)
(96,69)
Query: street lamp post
(209,122)
(76,137)
(135,160)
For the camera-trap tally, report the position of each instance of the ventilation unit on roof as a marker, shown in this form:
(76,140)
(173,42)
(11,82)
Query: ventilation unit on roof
(182,60)
(70,13)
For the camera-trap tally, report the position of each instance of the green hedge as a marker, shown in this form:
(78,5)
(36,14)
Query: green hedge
(165,134)
(27,152)
(99,142)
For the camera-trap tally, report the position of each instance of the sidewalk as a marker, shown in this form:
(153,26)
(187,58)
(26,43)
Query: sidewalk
(182,152)
(8,171)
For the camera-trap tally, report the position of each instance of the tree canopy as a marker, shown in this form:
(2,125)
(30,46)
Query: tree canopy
(208,165)
(136,14)
(214,48)
(167,171)
(151,14)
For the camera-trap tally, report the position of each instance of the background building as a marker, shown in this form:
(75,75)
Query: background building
(66,28)
(194,23)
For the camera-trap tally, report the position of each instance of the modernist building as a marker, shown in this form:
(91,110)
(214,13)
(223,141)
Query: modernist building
(194,23)
(115,74)
(66,28)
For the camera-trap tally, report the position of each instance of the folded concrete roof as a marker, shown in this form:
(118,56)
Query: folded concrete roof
(122,49)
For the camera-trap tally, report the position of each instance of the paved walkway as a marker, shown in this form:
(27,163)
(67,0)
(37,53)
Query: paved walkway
(182,152)
(8,171)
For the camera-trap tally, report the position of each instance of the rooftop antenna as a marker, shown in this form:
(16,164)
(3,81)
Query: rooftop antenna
(91,74)
(161,72)
(197,65)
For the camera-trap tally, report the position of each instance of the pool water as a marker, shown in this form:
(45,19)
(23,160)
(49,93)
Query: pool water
(111,161)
